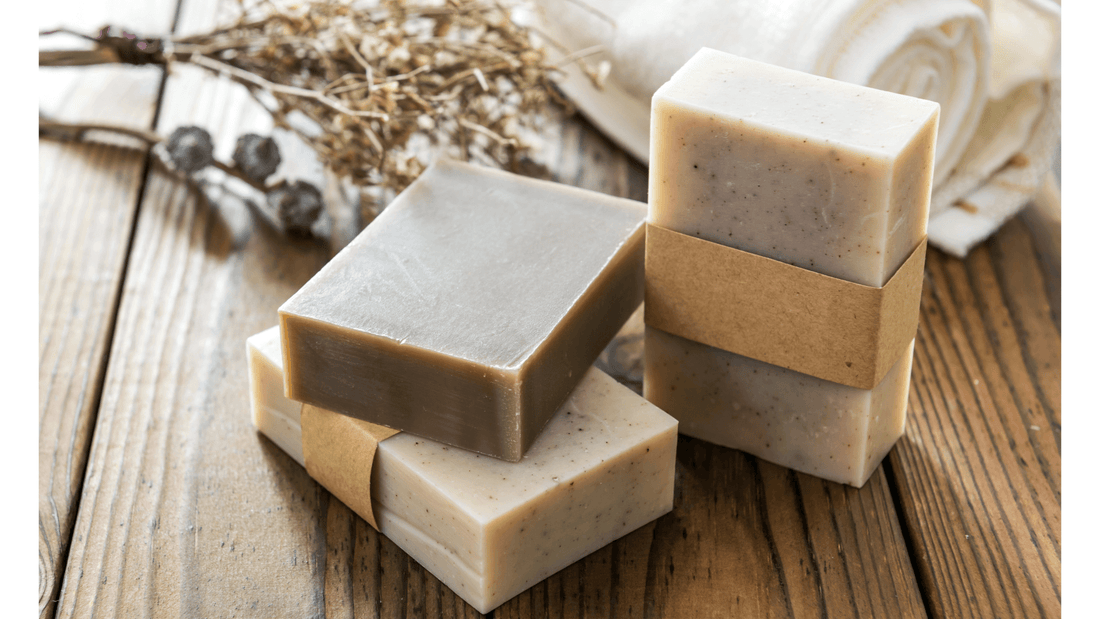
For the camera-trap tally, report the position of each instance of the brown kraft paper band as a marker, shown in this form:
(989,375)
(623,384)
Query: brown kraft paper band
(781,314)
(339,453)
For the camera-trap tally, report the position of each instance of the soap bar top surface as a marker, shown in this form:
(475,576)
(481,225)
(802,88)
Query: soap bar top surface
(475,263)
(799,104)
(814,172)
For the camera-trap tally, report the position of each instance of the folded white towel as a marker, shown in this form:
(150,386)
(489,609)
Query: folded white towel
(993,66)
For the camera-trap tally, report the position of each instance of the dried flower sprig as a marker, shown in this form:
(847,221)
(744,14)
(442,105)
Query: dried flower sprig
(386,87)
(188,150)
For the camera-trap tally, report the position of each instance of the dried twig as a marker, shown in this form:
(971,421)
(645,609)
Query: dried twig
(462,76)
(288,197)
(76,131)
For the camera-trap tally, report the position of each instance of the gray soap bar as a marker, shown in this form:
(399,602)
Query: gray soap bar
(469,309)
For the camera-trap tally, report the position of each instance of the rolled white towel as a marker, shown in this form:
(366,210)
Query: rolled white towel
(1012,150)
(998,97)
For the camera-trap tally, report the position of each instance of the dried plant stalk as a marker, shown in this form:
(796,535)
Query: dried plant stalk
(387,87)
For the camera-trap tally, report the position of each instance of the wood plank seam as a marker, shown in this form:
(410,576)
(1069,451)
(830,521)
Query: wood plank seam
(769,537)
(983,414)
(946,334)
(52,608)
(1048,407)
(927,569)
(97,389)
(106,431)
(890,472)
(815,567)
(93,392)
(968,473)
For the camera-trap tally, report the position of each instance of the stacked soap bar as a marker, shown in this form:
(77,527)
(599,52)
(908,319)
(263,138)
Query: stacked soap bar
(469,309)
(487,528)
(436,377)
(800,170)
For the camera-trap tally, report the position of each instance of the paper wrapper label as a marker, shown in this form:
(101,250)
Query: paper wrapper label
(339,453)
(781,314)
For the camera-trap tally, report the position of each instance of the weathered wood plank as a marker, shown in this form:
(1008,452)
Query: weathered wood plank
(746,538)
(979,471)
(88,200)
(187,511)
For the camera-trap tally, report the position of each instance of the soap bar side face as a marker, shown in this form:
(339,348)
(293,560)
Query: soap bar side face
(791,419)
(581,335)
(578,517)
(420,503)
(411,389)
(889,409)
(436,557)
(273,414)
(623,451)
(283,431)
(265,372)
(910,195)
(839,185)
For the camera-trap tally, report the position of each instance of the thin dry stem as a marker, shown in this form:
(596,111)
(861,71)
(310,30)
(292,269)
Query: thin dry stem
(78,131)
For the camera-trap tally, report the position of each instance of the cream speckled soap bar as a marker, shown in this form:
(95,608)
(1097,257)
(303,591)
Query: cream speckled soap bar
(469,309)
(490,529)
(815,173)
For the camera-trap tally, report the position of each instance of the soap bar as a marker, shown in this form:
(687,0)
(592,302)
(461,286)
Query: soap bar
(489,529)
(826,429)
(816,173)
(469,309)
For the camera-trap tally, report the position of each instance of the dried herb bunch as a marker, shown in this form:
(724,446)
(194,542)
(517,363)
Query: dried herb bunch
(462,75)
(383,86)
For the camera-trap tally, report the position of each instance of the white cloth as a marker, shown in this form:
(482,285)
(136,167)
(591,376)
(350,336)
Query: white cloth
(993,65)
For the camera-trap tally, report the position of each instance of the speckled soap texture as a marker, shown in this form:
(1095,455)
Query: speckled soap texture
(469,309)
(489,529)
(820,174)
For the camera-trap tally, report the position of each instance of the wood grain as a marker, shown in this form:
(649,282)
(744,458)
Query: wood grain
(88,199)
(978,472)
(187,512)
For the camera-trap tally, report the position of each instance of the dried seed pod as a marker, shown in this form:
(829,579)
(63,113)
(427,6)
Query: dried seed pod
(256,156)
(361,85)
(298,205)
(190,149)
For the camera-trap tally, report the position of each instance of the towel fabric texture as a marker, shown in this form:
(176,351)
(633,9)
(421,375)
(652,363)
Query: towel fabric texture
(994,66)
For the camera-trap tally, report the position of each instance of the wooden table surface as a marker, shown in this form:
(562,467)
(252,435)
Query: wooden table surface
(157,497)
